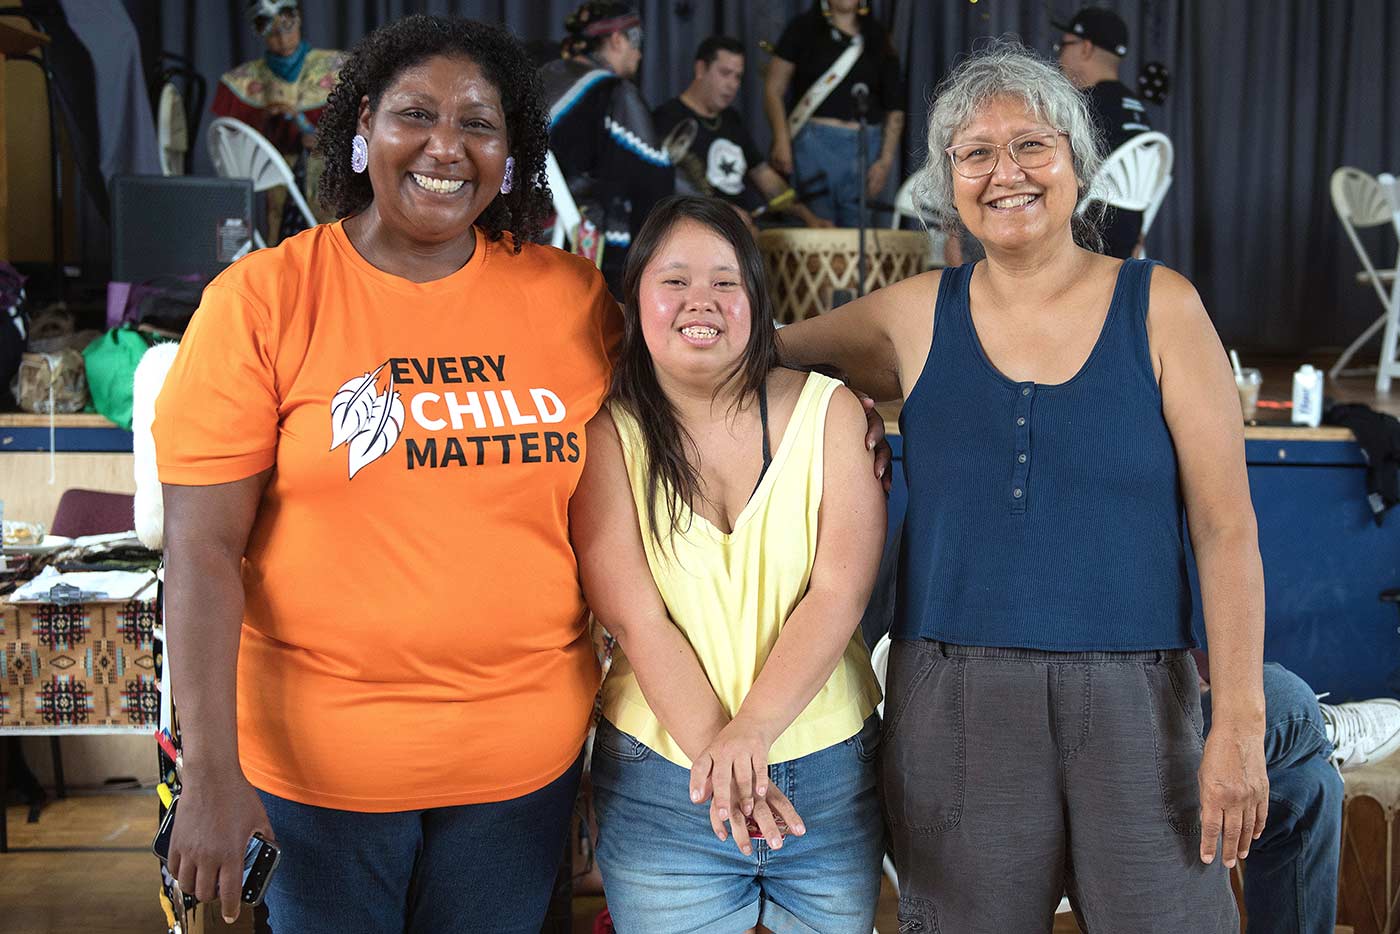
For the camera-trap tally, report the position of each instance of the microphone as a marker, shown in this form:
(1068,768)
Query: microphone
(861,92)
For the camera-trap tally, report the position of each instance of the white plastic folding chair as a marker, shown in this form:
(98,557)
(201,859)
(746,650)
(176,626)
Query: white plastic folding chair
(239,151)
(880,661)
(1363,201)
(907,204)
(1135,177)
(172,130)
(566,213)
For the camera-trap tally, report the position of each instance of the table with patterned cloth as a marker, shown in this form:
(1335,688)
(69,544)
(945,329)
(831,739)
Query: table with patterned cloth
(81,668)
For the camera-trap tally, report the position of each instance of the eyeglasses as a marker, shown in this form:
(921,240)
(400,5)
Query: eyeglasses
(1032,150)
(1063,44)
(634,36)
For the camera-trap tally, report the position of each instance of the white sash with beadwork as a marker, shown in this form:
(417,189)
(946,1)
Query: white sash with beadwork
(821,88)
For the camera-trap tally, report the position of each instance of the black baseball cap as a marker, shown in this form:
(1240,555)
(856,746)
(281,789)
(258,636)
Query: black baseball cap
(1101,26)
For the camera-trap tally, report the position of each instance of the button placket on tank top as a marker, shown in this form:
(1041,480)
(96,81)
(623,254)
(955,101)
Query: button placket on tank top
(1019,492)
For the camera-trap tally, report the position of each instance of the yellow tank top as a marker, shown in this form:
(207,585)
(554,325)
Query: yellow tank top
(731,594)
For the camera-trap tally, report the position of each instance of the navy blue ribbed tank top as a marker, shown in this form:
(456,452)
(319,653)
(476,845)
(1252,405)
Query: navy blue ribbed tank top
(1046,517)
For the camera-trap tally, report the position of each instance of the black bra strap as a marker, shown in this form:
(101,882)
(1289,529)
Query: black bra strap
(767,446)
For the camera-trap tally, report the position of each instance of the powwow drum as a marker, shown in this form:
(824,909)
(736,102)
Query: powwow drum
(807,265)
(1369,897)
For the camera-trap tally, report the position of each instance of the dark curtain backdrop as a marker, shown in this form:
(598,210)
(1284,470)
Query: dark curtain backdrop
(1268,97)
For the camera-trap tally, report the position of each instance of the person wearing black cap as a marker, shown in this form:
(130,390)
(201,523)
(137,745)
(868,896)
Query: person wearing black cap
(1091,52)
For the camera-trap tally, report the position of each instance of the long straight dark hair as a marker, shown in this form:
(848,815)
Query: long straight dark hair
(669,468)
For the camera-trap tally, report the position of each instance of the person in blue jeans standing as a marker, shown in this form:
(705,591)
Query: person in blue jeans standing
(838,62)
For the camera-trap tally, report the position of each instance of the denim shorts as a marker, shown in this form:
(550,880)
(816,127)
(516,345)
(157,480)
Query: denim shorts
(664,869)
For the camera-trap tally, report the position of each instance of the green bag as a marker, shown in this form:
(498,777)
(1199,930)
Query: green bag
(111,366)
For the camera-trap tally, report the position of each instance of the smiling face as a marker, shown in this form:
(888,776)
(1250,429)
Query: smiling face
(694,310)
(1014,207)
(437,148)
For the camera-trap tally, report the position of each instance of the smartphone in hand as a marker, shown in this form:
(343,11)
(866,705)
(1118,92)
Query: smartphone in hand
(259,860)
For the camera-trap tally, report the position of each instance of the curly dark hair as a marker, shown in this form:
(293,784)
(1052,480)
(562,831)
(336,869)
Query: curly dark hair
(380,57)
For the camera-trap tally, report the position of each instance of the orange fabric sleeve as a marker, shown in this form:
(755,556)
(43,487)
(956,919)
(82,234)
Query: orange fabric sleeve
(217,414)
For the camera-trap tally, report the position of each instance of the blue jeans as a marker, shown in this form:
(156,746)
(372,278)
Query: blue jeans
(665,871)
(474,867)
(1290,878)
(820,149)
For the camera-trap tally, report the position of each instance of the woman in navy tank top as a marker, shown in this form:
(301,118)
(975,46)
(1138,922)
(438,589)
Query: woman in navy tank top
(1065,415)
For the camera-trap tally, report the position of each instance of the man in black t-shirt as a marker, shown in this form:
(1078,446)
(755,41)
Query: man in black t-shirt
(1091,51)
(722,159)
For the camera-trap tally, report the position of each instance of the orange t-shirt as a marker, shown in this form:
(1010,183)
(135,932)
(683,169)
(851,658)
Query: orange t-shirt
(414,633)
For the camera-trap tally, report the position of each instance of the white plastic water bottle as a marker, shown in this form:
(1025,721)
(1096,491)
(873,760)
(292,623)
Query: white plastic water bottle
(1307,396)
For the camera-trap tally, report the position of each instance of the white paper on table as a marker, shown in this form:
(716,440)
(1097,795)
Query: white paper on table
(104,585)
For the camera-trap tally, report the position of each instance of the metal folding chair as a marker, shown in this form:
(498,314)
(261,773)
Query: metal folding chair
(1364,201)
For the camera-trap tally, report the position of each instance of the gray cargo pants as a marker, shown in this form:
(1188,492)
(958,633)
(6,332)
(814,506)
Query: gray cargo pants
(1011,776)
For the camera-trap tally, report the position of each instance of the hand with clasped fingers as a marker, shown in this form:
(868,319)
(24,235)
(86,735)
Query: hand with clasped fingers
(732,774)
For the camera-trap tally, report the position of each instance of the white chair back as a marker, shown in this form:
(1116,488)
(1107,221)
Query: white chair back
(566,213)
(172,131)
(1135,177)
(239,151)
(1362,201)
(907,204)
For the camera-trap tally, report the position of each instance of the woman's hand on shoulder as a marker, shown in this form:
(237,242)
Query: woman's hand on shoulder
(855,439)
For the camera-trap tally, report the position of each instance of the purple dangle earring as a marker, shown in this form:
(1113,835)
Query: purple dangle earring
(508,182)
(359,154)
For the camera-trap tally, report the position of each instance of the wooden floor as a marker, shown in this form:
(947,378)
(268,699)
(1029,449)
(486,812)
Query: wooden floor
(87,868)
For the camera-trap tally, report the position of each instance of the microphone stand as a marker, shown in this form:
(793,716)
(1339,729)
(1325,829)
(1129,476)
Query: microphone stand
(863,166)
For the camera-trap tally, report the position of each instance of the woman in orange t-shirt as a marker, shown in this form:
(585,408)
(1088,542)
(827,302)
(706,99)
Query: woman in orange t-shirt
(368,443)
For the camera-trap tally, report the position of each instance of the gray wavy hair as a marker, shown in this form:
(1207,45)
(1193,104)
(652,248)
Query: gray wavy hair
(1005,68)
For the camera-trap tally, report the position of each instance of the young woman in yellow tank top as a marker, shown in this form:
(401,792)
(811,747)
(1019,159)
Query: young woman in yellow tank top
(728,526)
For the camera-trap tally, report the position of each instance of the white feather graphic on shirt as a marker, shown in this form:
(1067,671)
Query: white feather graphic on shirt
(352,407)
(385,423)
(367,421)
